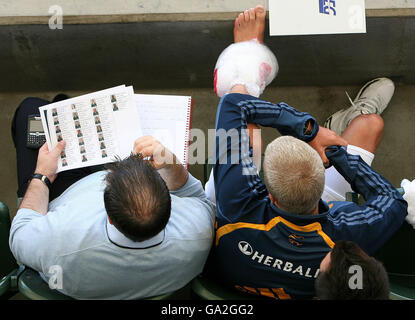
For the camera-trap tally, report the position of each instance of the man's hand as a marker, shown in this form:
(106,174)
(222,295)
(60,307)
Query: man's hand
(168,166)
(47,161)
(159,155)
(324,139)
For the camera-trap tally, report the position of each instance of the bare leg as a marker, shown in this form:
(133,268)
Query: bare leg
(249,25)
(365,132)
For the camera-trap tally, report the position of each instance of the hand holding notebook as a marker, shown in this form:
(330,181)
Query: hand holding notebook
(100,126)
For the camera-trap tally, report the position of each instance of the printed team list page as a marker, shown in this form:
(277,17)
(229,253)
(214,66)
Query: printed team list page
(97,127)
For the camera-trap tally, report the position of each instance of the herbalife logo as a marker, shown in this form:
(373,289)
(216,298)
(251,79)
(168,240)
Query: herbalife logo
(328,7)
(276,263)
(245,248)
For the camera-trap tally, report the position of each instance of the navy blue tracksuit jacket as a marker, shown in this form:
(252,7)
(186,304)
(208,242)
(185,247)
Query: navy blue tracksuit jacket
(264,250)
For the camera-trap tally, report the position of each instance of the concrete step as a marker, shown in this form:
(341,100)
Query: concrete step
(175,44)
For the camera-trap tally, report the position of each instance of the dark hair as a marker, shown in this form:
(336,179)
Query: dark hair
(136,198)
(333,284)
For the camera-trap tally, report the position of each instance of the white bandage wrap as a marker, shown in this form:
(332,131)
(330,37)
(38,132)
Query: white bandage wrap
(248,63)
(409,197)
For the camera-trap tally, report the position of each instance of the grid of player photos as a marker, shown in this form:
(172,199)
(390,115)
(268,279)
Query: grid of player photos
(79,134)
(59,136)
(114,103)
(97,119)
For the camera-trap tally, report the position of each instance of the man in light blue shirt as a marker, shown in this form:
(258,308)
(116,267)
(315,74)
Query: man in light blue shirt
(140,229)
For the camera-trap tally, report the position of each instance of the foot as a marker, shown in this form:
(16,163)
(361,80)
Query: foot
(373,98)
(250,24)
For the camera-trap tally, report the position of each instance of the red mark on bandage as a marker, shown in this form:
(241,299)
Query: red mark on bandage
(215,81)
(264,71)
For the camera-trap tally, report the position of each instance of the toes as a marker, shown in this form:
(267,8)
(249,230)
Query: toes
(246,15)
(241,18)
(237,23)
(259,9)
(251,14)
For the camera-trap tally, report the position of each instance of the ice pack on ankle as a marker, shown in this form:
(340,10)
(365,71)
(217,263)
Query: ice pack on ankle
(248,63)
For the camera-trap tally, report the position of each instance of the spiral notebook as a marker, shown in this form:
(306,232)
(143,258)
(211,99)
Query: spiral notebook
(99,127)
(167,118)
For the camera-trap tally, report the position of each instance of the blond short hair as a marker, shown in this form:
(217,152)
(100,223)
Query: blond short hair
(294,175)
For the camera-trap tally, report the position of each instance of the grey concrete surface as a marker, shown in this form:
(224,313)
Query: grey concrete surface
(183,55)
(394,158)
(108,7)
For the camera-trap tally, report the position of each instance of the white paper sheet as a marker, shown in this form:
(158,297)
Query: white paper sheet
(166,118)
(305,17)
(97,127)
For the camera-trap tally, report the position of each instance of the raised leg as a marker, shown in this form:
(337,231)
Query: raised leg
(365,131)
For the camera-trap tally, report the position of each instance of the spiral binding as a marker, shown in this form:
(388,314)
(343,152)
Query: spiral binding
(188,128)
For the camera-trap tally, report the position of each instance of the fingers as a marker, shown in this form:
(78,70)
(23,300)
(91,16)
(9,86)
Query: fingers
(148,151)
(44,148)
(331,138)
(59,148)
(142,143)
(323,157)
(148,147)
(340,141)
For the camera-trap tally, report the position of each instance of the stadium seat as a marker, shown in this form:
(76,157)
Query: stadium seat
(207,289)
(33,287)
(400,292)
(8,264)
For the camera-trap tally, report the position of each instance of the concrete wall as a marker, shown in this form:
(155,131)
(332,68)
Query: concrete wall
(109,7)
(182,54)
(175,44)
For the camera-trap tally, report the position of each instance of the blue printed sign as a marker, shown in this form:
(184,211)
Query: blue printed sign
(328,7)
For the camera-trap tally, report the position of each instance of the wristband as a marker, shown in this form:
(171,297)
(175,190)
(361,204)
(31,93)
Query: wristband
(43,178)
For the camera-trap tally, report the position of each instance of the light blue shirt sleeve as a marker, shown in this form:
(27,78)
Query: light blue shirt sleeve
(30,236)
(192,188)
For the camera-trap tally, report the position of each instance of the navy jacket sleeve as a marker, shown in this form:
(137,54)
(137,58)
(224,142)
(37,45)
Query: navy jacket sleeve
(237,182)
(369,225)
